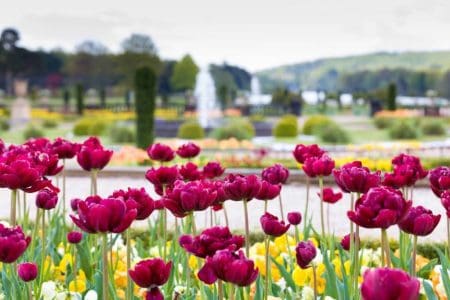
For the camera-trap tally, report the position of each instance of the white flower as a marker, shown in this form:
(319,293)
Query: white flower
(307,293)
(179,289)
(440,288)
(48,291)
(318,259)
(282,283)
(328,298)
(68,296)
(91,295)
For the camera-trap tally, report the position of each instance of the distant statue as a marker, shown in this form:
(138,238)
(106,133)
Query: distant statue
(20,109)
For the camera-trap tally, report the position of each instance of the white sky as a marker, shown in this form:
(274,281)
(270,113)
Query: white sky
(255,34)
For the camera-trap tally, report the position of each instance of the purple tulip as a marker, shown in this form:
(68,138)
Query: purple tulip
(353,177)
(189,150)
(27,271)
(160,152)
(276,174)
(305,252)
(419,221)
(272,226)
(294,218)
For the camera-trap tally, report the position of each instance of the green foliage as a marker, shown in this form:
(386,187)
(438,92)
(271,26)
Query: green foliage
(4,124)
(79,92)
(433,127)
(239,129)
(287,126)
(314,124)
(403,130)
(391,95)
(334,134)
(50,123)
(122,134)
(257,118)
(184,73)
(145,88)
(89,126)
(190,130)
(383,122)
(33,132)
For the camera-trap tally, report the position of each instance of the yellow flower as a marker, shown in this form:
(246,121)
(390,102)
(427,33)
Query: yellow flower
(260,249)
(193,262)
(260,263)
(77,285)
(301,276)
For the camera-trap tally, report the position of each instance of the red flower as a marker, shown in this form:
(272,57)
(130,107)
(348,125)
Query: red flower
(212,170)
(138,199)
(380,207)
(329,196)
(46,199)
(92,155)
(151,274)
(345,242)
(302,152)
(74,237)
(419,221)
(228,266)
(64,149)
(185,198)
(268,191)
(294,218)
(239,187)
(48,163)
(276,174)
(407,170)
(189,150)
(27,271)
(272,226)
(103,215)
(445,200)
(389,284)
(190,172)
(305,252)
(162,175)
(221,195)
(440,180)
(318,166)
(353,177)
(160,152)
(13,243)
(210,241)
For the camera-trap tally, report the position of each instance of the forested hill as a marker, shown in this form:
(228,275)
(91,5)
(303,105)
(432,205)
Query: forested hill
(329,73)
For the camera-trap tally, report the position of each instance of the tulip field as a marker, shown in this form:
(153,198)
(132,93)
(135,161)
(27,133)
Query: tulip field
(88,247)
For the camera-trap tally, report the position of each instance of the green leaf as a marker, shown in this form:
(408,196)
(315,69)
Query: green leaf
(424,272)
(444,274)
(84,259)
(259,288)
(287,277)
(429,290)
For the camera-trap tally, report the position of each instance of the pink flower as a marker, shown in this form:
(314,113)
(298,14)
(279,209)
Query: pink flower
(162,175)
(353,177)
(329,196)
(407,171)
(189,150)
(64,149)
(294,218)
(160,152)
(239,187)
(268,191)
(445,200)
(138,199)
(305,252)
(92,155)
(440,180)
(302,152)
(27,271)
(190,172)
(419,221)
(74,237)
(276,174)
(13,243)
(46,199)
(272,226)
(318,166)
(212,170)
(151,274)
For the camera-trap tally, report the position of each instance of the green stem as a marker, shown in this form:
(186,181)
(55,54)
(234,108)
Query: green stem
(12,218)
(315,281)
(297,239)
(64,194)
(322,220)
(386,247)
(265,206)
(43,250)
(225,214)
(164,220)
(94,182)
(448,236)
(220,289)
(281,206)
(231,291)
(247,230)
(356,260)
(129,292)
(266,282)
(383,261)
(74,266)
(30,293)
(308,183)
(105,266)
(413,269)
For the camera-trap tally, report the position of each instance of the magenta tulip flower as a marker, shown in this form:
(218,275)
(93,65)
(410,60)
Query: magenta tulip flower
(189,150)
(239,187)
(162,175)
(294,218)
(160,152)
(27,271)
(213,170)
(268,191)
(92,155)
(272,226)
(190,172)
(419,221)
(46,199)
(353,177)
(151,274)
(329,196)
(305,252)
(13,243)
(440,180)
(74,237)
(64,149)
(318,166)
(138,199)
(302,152)
(276,174)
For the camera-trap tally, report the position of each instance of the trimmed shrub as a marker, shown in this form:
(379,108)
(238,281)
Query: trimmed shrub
(383,122)
(334,134)
(32,132)
(122,134)
(4,124)
(79,92)
(145,88)
(89,126)
(403,130)
(191,130)
(238,129)
(50,124)
(287,126)
(433,127)
(315,123)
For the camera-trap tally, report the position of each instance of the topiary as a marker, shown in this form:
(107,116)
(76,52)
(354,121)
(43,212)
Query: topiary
(403,130)
(383,122)
(433,127)
(89,126)
(239,129)
(287,126)
(334,134)
(49,124)
(314,123)
(190,130)
(122,134)
(32,132)
(145,89)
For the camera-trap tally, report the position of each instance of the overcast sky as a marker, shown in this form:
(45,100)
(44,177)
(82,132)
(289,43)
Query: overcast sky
(254,34)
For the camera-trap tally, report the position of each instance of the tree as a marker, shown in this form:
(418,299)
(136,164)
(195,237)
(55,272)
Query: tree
(164,86)
(184,74)
(79,91)
(139,43)
(9,39)
(145,89)
(66,98)
(92,48)
(102,97)
(391,95)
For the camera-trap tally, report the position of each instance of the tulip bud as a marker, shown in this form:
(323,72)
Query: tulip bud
(27,271)
(302,152)
(305,252)
(276,174)
(46,199)
(74,237)
(189,150)
(160,152)
(272,226)
(294,218)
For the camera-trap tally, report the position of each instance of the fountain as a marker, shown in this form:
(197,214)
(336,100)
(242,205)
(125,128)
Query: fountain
(256,98)
(205,96)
